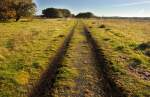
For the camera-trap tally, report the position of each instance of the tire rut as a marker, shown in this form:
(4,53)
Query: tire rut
(45,83)
(87,82)
(93,79)
(110,88)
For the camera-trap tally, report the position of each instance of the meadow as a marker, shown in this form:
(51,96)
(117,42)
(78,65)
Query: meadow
(126,43)
(28,47)
(25,51)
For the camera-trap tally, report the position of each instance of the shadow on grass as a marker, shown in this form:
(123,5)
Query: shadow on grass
(45,84)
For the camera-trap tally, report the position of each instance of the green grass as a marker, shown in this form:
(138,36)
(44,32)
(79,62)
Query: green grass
(25,51)
(119,40)
(27,47)
(66,79)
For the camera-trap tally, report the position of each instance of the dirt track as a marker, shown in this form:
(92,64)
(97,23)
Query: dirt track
(92,81)
(110,88)
(47,79)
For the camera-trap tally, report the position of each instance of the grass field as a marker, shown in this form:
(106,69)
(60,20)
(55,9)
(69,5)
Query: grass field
(126,43)
(114,61)
(25,51)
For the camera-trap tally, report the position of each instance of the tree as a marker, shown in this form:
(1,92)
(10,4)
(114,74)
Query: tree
(16,9)
(23,8)
(52,13)
(85,15)
(56,13)
(6,12)
(65,12)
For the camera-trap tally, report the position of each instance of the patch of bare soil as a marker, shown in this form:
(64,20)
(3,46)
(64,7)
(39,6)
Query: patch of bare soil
(89,82)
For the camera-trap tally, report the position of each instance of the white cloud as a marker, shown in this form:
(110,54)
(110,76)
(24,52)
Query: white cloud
(133,3)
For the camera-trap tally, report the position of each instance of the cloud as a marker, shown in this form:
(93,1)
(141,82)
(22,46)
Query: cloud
(133,3)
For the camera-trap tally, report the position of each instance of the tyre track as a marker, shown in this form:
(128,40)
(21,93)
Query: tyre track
(110,88)
(44,85)
(87,80)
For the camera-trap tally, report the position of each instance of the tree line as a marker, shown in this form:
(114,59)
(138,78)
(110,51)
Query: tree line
(16,9)
(85,15)
(64,13)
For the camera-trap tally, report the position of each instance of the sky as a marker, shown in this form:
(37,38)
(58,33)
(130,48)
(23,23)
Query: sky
(124,8)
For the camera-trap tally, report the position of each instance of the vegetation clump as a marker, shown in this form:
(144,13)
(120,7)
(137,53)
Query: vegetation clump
(145,48)
(102,26)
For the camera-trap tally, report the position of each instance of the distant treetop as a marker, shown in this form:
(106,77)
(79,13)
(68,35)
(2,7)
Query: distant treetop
(85,15)
(56,13)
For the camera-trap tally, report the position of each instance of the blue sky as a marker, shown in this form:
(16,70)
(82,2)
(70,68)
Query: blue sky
(129,8)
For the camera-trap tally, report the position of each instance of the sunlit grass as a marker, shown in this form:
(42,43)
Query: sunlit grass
(119,40)
(25,51)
